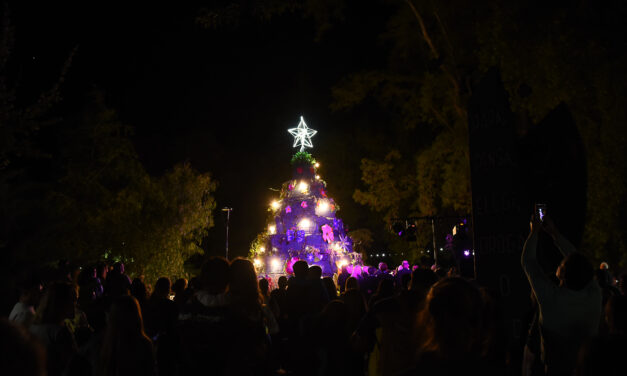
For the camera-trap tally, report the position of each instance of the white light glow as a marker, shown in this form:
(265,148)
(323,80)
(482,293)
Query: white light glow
(322,208)
(303,187)
(262,249)
(318,177)
(302,135)
(257,263)
(317,165)
(304,224)
(276,264)
(342,262)
(271,229)
(275,205)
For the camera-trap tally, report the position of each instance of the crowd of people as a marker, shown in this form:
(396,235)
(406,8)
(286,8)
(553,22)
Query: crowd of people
(364,321)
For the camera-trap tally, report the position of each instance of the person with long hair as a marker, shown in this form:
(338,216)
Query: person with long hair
(126,349)
(450,330)
(254,320)
(57,305)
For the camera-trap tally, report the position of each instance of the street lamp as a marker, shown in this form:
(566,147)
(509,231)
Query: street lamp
(228,216)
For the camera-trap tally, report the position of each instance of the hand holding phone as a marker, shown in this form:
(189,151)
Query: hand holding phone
(540,212)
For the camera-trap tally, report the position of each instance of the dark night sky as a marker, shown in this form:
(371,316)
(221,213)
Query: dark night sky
(221,100)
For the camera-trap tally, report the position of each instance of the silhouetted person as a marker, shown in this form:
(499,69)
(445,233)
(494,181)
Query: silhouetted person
(179,289)
(252,321)
(117,282)
(126,349)
(450,331)
(204,329)
(139,292)
(330,338)
(384,290)
(355,303)
(569,312)
(279,296)
(403,271)
(318,295)
(21,354)
(386,330)
(23,311)
(57,305)
(264,289)
(161,312)
(330,287)
(342,277)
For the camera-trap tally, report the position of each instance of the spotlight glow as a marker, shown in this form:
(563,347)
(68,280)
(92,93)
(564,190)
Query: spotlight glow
(304,224)
(303,187)
(276,264)
(322,207)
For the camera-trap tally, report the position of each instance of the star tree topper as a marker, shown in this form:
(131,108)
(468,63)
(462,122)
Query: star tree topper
(302,135)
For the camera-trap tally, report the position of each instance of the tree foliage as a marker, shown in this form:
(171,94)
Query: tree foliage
(547,55)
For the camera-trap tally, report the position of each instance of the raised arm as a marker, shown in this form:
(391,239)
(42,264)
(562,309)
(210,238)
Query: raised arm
(541,285)
(565,246)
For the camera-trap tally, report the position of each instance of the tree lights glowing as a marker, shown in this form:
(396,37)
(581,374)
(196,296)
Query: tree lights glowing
(302,135)
(303,187)
(322,207)
(304,224)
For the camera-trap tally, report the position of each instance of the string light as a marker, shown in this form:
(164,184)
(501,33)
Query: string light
(262,249)
(317,165)
(302,135)
(304,224)
(272,229)
(322,207)
(275,205)
(257,263)
(303,187)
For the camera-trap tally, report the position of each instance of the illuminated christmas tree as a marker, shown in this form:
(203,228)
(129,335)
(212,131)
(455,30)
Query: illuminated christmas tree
(303,224)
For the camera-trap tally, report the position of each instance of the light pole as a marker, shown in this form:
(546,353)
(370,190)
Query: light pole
(228,216)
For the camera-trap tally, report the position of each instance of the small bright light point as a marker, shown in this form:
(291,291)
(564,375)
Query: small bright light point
(275,205)
(383,254)
(272,229)
(303,187)
(466,253)
(257,263)
(276,264)
(262,249)
(318,177)
(317,165)
(441,249)
(304,224)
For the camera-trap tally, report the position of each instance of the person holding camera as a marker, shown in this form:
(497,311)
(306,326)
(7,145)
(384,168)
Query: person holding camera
(570,311)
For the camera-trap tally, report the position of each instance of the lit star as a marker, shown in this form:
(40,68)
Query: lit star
(302,135)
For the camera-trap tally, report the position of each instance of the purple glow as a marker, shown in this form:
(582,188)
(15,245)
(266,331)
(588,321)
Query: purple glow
(466,253)
(400,233)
